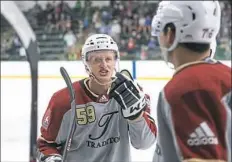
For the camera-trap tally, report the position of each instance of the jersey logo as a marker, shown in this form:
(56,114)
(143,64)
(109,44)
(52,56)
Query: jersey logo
(103,99)
(202,135)
(138,106)
(46,119)
(103,123)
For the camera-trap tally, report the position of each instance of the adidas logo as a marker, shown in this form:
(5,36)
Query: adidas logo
(103,98)
(202,135)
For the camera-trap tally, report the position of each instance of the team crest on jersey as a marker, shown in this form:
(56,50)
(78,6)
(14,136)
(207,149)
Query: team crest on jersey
(46,119)
(103,98)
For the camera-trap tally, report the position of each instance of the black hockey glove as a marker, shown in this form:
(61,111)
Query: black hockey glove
(128,95)
(52,158)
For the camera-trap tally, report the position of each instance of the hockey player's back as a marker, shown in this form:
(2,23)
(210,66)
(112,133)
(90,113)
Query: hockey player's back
(194,108)
(191,105)
(195,94)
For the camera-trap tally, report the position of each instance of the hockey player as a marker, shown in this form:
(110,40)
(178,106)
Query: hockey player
(194,108)
(110,110)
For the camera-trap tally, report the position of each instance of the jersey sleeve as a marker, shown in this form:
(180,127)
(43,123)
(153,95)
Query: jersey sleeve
(192,126)
(51,122)
(143,130)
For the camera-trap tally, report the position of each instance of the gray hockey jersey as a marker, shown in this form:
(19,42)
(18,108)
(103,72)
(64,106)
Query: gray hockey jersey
(101,134)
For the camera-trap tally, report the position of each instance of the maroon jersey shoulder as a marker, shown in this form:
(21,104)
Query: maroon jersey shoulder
(62,97)
(204,76)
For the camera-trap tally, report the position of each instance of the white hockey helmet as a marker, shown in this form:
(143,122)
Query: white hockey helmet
(98,42)
(195,21)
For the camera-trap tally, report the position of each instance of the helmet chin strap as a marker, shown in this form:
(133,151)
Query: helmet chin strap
(93,77)
(165,56)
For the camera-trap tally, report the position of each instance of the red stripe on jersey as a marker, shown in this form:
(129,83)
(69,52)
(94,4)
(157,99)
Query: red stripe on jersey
(150,121)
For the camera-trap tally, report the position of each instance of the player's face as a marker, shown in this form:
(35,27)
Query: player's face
(162,39)
(165,41)
(102,64)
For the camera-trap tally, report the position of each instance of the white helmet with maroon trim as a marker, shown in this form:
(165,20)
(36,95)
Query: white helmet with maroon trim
(98,42)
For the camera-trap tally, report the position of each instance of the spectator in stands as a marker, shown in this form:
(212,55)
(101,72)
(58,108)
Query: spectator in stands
(116,30)
(70,42)
(131,45)
(105,28)
(86,23)
(131,31)
(152,43)
(22,51)
(106,16)
(148,23)
(96,16)
(65,22)
(96,20)
(70,39)
(141,26)
(51,22)
(16,44)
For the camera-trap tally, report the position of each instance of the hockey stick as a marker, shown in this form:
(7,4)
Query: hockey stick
(28,38)
(33,59)
(73,106)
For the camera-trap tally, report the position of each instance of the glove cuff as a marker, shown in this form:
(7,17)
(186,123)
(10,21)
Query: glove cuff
(46,157)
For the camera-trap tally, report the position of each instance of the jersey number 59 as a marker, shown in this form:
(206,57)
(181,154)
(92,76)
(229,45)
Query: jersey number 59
(85,115)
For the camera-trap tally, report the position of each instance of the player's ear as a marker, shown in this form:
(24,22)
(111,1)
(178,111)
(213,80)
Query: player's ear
(170,36)
(169,33)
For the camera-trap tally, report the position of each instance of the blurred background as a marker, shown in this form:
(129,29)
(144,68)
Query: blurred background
(61,28)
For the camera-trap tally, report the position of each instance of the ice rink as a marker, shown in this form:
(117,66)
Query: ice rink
(15,115)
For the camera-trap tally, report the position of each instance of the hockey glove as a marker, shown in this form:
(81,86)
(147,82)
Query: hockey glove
(128,95)
(52,158)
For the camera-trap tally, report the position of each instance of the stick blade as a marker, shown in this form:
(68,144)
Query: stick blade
(68,82)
